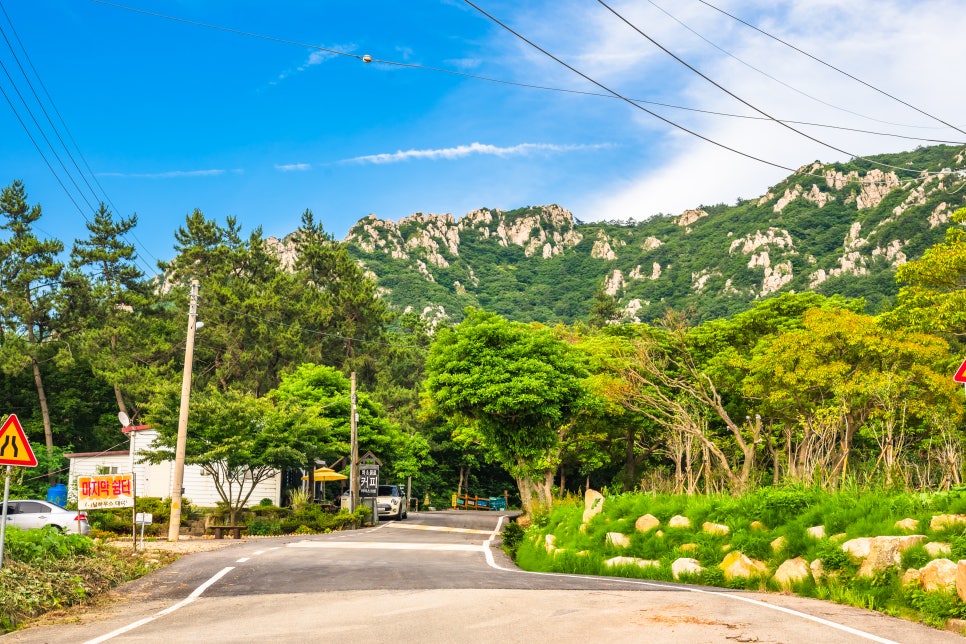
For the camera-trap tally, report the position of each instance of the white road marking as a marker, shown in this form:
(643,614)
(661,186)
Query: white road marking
(635,582)
(242,560)
(438,528)
(362,545)
(167,611)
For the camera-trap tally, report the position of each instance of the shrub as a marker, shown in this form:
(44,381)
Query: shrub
(512,535)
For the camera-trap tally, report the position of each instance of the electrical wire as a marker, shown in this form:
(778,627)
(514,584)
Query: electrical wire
(773,78)
(490,79)
(830,66)
(743,101)
(56,132)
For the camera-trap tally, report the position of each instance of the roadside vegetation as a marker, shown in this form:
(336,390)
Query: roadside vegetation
(770,526)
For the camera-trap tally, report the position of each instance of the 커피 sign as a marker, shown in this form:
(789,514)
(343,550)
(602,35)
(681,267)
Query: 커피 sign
(105,491)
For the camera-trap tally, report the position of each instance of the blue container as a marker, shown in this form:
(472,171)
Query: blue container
(57,494)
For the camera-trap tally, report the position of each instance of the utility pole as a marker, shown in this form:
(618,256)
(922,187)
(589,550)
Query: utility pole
(354,457)
(189,350)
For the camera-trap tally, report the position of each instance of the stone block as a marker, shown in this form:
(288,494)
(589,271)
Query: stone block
(791,572)
(678,521)
(618,540)
(816,532)
(646,523)
(779,544)
(614,562)
(938,574)
(907,525)
(737,564)
(593,504)
(687,566)
(715,528)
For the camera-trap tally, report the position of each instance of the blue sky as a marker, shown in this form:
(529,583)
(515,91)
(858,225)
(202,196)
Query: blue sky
(172,116)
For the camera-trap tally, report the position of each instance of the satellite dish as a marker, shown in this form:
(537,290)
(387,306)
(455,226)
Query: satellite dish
(125,421)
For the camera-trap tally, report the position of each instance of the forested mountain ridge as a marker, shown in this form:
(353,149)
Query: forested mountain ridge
(830,228)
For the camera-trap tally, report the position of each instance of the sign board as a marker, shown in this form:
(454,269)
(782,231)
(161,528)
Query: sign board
(961,373)
(105,491)
(143,518)
(368,480)
(14,448)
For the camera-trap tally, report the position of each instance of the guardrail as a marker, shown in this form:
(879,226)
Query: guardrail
(467,502)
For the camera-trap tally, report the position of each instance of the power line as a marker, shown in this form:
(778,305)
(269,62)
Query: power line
(56,132)
(743,101)
(490,79)
(833,67)
(773,78)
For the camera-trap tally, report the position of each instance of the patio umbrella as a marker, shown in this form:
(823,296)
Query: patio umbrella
(326,474)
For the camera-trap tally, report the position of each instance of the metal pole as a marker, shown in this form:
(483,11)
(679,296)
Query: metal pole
(134,496)
(354,458)
(6,498)
(189,350)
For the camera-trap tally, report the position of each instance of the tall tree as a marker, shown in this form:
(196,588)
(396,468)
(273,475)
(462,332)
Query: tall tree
(30,275)
(350,312)
(109,301)
(522,385)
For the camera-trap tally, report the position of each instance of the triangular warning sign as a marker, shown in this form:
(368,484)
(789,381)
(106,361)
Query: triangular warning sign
(14,448)
(961,373)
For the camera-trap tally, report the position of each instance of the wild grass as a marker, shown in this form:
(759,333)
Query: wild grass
(785,513)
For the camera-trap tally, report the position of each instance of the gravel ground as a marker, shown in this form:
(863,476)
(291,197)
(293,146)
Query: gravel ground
(184,545)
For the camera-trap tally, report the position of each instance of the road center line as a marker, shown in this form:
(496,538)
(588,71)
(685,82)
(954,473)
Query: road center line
(196,593)
(362,545)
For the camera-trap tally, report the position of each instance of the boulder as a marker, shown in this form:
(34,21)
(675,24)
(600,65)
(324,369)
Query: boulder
(618,540)
(961,579)
(758,526)
(779,544)
(646,523)
(938,574)
(549,542)
(614,562)
(911,577)
(885,552)
(593,504)
(938,549)
(736,564)
(688,547)
(943,521)
(687,566)
(791,572)
(715,528)
(818,569)
(678,521)
(816,532)
(908,525)
(858,548)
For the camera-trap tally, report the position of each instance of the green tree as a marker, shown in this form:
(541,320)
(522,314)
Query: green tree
(233,436)
(520,384)
(30,274)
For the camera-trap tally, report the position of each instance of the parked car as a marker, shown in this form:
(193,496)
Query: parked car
(32,513)
(391,502)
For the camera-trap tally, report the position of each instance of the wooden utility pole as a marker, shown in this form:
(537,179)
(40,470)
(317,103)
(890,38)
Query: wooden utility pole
(174,525)
(354,457)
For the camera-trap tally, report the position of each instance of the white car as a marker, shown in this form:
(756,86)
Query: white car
(32,513)
(391,502)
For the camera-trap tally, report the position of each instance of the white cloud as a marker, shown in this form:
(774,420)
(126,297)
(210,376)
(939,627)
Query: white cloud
(462,151)
(910,50)
(292,167)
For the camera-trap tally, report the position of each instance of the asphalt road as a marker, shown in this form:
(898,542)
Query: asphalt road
(436,578)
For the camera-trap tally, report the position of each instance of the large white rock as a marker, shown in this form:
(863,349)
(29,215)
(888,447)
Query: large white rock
(679,521)
(938,549)
(614,562)
(938,574)
(858,548)
(943,521)
(779,544)
(593,504)
(816,532)
(908,525)
(618,540)
(885,552)
(737,564)
(792,571)
(549,542)
(687,566)
(646,523)
(715,528)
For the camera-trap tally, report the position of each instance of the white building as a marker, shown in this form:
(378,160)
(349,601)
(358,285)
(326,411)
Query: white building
(156,480)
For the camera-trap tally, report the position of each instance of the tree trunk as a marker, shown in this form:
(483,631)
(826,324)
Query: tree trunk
(45,414)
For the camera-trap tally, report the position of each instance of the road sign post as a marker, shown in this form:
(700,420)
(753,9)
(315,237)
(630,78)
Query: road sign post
(14,450)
